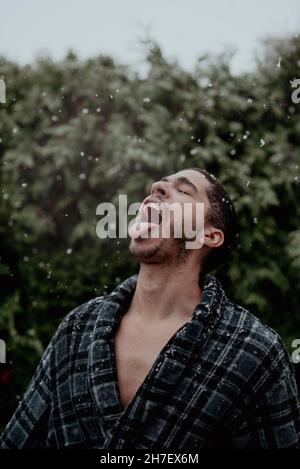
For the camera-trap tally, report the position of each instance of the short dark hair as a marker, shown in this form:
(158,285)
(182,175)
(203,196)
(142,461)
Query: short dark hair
(223,216)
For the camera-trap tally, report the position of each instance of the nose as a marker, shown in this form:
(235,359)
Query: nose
(160,188)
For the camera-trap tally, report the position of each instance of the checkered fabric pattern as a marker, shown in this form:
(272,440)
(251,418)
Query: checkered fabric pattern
(223,380)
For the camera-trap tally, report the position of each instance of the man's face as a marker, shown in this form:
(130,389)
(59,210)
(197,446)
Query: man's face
(148,243)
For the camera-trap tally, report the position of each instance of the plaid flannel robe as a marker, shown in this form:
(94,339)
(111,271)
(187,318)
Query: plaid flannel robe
(222,380)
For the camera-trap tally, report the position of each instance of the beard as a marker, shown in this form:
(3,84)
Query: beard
(164,251)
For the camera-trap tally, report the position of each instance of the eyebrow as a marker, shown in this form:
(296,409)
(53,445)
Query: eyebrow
(184,180)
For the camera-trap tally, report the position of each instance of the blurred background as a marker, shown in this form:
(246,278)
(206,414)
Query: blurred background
(103,98)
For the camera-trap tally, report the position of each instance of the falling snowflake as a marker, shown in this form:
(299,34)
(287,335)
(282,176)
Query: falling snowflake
(262,143)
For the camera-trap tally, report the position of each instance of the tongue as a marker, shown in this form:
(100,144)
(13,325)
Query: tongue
(140,228)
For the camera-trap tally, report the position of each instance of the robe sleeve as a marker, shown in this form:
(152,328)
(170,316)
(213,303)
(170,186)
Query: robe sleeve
(28,426)
(274,421)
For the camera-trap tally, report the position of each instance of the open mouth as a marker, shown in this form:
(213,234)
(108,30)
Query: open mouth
(151,213)
(147,222)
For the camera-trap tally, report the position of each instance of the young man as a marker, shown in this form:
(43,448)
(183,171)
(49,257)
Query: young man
(166,361)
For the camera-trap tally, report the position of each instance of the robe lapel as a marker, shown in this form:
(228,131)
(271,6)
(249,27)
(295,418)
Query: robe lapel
(102,373)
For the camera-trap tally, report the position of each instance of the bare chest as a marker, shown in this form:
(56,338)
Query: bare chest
(137,347)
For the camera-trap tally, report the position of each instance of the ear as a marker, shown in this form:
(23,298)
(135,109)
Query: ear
(213,237)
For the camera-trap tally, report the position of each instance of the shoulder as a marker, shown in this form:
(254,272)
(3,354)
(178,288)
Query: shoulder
(84,310)
(80,320)
(260,347)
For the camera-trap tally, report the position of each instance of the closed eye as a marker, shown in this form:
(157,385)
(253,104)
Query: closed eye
(184,192)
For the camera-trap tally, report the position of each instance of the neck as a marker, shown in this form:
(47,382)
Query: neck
(166,292)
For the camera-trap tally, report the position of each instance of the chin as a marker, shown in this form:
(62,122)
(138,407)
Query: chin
(147,249)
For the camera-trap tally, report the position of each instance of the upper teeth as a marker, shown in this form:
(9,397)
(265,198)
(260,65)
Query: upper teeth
(154,205)
(150,216)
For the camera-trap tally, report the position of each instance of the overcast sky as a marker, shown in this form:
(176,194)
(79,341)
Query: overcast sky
(185,29)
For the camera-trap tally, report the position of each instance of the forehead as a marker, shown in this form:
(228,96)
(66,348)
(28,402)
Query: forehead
(198,179)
